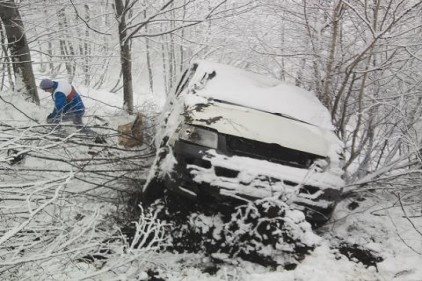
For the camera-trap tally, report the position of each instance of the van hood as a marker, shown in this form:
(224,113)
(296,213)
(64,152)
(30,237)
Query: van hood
(262,126)
(230,84)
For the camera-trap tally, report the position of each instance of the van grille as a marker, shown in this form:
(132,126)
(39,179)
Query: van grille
(270,152)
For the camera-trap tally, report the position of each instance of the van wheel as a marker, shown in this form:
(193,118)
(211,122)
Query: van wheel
(152,191)
(317,217)
(154,188)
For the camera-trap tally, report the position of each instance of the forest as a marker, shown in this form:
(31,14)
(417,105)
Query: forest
(66,203)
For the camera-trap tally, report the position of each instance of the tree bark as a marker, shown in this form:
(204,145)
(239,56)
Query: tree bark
(19,50)
(327,85)
(125,57)
(148,54)
(66,46)
(7,66)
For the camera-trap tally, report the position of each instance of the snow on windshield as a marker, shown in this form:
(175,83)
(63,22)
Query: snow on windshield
(263,93)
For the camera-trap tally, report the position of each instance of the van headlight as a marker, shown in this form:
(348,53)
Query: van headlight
(321,165)
(198,135)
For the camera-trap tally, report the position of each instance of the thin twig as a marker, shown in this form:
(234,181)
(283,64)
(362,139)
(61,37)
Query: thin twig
(407,217)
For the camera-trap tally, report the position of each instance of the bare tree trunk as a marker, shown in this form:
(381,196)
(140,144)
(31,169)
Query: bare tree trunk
(165,67)
(87,48)
(326,94)
(19,50)
(66,46)
(182,37)
(298,80)
(125,57)
(7,66)
(47,65)
(148,54)
(171,51)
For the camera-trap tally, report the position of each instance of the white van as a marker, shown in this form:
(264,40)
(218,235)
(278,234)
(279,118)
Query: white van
(230,136)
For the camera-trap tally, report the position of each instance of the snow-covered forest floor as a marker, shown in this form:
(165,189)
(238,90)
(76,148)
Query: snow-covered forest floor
(67,204)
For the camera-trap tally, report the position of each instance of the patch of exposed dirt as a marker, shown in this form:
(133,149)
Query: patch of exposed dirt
(265,232)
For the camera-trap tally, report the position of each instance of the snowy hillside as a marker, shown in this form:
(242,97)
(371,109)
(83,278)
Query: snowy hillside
(62,217)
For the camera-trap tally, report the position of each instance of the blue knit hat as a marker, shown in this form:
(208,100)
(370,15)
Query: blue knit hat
(46,84)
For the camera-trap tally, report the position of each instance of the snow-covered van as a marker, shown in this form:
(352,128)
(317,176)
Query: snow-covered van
(228,135)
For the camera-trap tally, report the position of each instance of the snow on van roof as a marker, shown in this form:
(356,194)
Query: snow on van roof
(256,91)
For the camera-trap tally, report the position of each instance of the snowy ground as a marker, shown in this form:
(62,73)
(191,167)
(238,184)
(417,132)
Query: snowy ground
(388,225)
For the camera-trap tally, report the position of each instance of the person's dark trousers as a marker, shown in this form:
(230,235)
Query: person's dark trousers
(76,118)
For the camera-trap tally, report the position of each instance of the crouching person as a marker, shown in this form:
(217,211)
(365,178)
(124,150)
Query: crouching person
(68,105)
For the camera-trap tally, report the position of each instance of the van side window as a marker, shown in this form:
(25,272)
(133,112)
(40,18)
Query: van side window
(179,86)
(185,79)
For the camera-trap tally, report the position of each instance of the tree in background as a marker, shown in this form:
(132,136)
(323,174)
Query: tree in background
(147,19)
(125,55)
(19,54)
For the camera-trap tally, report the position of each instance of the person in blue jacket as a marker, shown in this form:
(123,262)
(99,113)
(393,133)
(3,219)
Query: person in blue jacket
(68,105)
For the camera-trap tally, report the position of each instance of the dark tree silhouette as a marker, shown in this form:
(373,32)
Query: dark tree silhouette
(18,49)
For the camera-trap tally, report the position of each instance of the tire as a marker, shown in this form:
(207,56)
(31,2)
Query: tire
(152,191)
(318,217)
(154,187)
